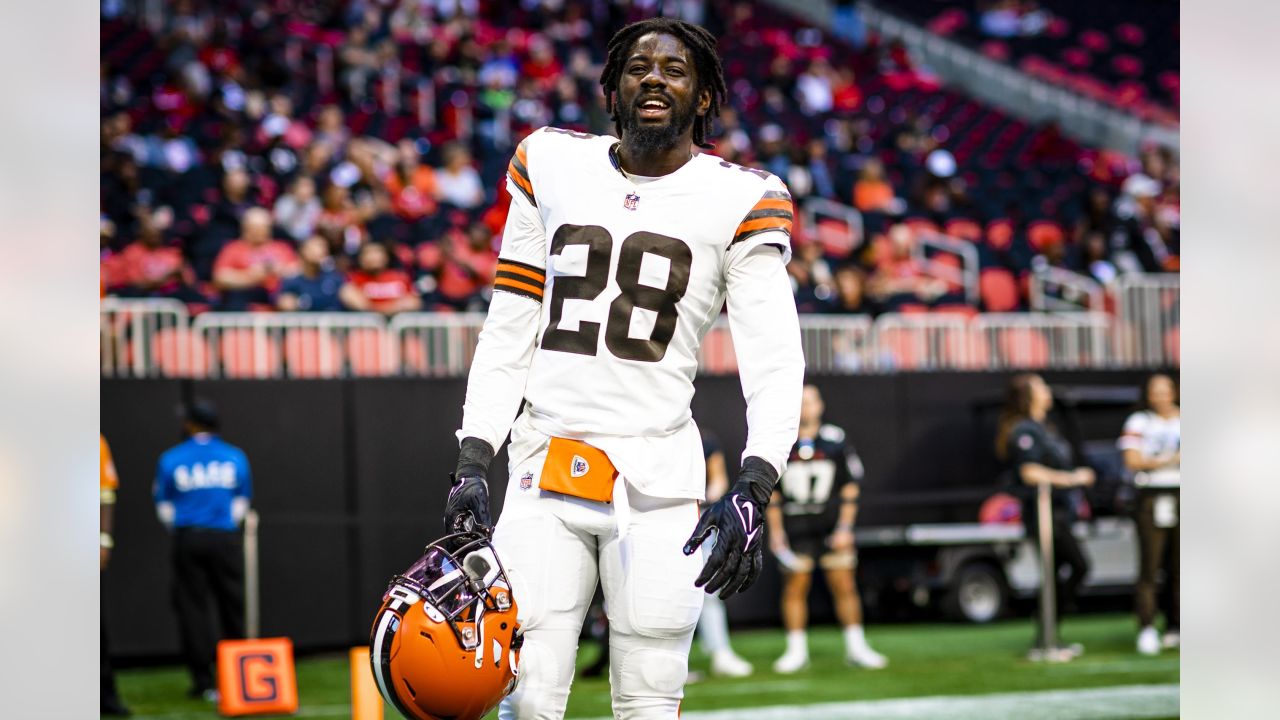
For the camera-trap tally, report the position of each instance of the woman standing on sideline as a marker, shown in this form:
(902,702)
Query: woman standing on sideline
(1038,455)
(1151,443)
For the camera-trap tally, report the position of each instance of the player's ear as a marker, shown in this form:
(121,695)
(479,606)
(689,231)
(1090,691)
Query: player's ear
(704,101)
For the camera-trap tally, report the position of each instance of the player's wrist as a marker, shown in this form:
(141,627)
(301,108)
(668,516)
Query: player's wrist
(756,479)
(474,457)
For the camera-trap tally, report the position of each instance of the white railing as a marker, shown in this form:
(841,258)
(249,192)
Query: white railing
(153,339)
(965,254)
(290,345)
(142,338)
(1053,288)
(837,226)
(1148,317)
(921,341)
(434,344)
(1005,341)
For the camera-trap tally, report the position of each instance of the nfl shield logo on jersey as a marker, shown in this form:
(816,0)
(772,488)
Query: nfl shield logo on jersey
(526,481)
(631,202)
(578,467)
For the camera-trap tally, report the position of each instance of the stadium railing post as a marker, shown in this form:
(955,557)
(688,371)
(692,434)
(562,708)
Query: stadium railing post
(252,592)
(1048,571)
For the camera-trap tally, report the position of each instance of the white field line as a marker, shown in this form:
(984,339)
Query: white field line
(1111,703)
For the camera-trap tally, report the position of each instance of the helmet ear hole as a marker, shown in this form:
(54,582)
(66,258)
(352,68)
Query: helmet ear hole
(481,566)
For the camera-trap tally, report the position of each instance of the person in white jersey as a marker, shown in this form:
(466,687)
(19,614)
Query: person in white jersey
(1152,447)
(617,257)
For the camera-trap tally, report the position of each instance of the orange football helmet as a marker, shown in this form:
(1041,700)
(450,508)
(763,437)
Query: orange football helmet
(445,642)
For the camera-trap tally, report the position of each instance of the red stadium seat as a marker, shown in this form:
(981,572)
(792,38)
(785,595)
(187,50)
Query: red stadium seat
(310,353)
(964,229)
(1023,348)
(366,352)
(178,353)
(1173,345)
(1043,233)
(998,290)
(248,354)
(999,234)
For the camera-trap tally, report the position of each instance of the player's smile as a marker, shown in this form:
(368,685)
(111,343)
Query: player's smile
(657,89)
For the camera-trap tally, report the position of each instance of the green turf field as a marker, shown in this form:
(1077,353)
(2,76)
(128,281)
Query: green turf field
(924,660)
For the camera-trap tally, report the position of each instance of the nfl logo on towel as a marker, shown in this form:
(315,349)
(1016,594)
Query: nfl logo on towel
(631,202)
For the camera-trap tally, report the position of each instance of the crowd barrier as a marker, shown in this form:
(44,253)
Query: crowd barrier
(156,338)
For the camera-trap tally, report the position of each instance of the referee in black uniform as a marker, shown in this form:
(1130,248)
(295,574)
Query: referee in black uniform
(202,493)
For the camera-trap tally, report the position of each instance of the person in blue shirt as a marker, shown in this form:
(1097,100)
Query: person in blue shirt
(202,492)
(315,289)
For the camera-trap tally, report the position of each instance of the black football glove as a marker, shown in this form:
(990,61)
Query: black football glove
(468,505)
(738,519)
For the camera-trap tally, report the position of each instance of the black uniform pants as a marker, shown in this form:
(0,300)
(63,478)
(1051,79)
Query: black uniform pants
(107,681)
(208,570)
(1159,546)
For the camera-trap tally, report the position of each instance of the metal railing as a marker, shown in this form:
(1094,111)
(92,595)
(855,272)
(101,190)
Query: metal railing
(1148,318)
(842,232)
(1053,288)
(930,245)
(920,341)
(153,339)
(434,344)
(1006,341)
(142,338)
(290,345)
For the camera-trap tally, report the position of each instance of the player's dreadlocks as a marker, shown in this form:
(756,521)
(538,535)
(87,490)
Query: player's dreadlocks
(706,65)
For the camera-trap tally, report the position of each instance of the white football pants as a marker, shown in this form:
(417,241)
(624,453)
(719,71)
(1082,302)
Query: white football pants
(554,548)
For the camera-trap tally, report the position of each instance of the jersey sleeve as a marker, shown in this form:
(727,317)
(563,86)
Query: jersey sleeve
(244,476)
(1025,446)
(766,340)
(1134,429)
(500,368)
(518,180)
(522,261)
(853,469)
(768,222)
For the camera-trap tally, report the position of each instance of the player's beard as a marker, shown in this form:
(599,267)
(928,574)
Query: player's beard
(646,139)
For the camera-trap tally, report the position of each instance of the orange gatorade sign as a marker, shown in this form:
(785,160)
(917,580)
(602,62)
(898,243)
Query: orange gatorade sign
(256,677)
(575,468)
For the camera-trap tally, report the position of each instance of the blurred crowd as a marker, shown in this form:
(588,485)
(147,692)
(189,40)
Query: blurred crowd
(261,154)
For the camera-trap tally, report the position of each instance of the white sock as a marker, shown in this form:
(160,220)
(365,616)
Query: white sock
(713,626)
(854,638)
(797,641)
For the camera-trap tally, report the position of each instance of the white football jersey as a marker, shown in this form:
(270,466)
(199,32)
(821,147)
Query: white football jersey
(1153,436)
(635,275)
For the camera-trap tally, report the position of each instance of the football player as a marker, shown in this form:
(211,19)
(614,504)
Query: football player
(618,255)
(811,519)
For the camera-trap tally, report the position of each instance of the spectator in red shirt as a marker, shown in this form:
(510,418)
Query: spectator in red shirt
(151,268)
(464,265)
(377,287)
(248,270)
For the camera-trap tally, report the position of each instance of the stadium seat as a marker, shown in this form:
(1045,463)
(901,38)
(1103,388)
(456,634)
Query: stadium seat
(366,352)
(177,352)
(1023,348)
(998,290)
(244,353)
(312,353)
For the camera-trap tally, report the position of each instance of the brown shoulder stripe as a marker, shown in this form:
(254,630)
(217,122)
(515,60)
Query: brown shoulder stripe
(772,212)
(518,171)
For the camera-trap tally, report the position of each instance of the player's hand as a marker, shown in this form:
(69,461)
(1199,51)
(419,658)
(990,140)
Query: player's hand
(468,505)
(738,519)
(469,489)
(1084,476)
